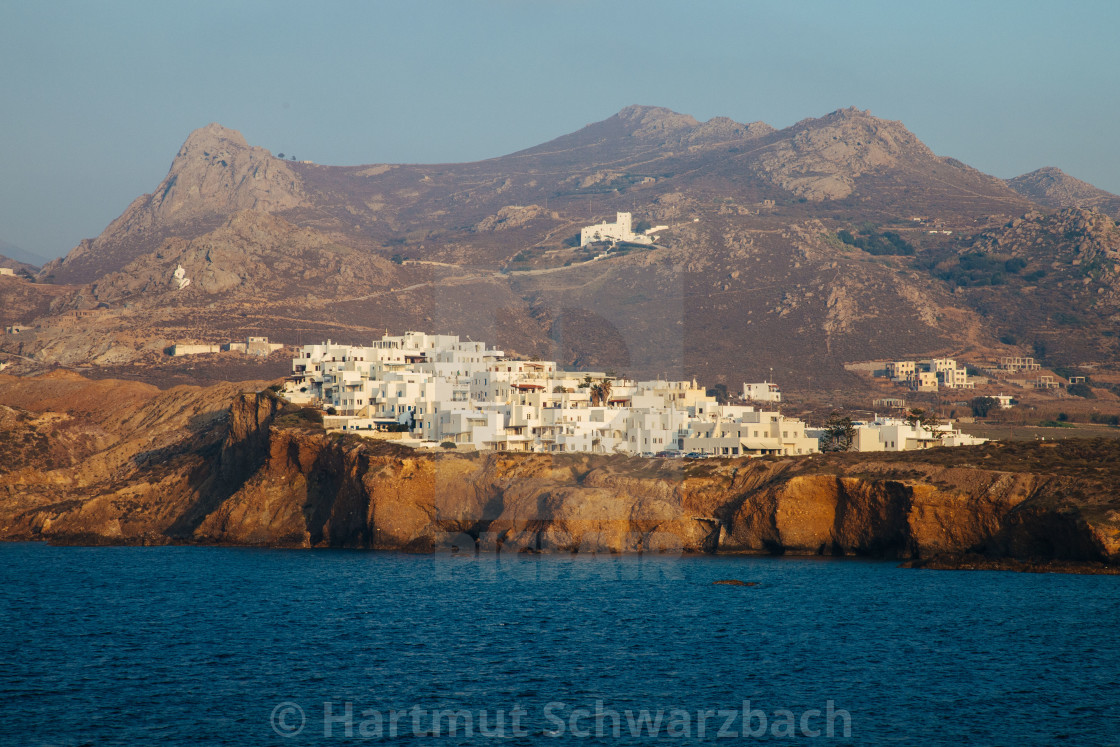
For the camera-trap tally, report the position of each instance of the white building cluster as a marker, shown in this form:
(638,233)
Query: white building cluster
(433,389)
(928,376)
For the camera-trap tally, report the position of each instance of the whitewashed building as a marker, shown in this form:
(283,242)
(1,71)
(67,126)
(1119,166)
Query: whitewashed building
(620,230)
(435,389)
(762,392)
(897,434)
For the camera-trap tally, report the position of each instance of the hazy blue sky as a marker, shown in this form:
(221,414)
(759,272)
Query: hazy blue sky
(96,97)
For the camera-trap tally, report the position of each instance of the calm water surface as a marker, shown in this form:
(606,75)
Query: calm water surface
(200,646)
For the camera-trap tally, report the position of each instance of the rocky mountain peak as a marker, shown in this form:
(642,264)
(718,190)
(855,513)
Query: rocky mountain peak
(1054,188)
(215,173)
(216,170)
(655,121)
(212,137)
(822,158)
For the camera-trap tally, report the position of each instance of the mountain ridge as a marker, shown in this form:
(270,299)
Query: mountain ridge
(216,172)
(749,270)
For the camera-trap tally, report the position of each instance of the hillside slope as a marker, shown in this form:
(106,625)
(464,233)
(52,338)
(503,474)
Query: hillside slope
(749,274)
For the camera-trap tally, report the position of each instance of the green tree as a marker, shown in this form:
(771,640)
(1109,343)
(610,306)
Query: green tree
(981,406)
(719,391)
(839,433)
(601,392)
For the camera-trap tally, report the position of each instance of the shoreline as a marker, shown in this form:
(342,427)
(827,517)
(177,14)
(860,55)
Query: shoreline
(944,562)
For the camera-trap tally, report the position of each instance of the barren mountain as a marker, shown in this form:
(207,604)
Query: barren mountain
(752,273)
(1050,281)
(215,173)
(20,268)
(1054,188)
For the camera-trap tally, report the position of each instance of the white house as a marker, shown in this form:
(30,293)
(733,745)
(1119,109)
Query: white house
(762,392)
(620,230)
(896,434)
(752,433)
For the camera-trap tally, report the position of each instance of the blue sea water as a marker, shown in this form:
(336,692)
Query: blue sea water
(216,646)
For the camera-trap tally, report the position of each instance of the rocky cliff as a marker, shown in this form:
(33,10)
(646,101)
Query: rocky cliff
(234,467)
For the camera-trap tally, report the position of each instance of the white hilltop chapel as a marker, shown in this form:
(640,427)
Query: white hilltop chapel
(180,278)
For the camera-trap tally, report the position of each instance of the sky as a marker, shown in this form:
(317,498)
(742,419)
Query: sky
(97,97)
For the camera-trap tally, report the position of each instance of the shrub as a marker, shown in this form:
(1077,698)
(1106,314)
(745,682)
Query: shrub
(873,242)
(975,269)
(1081,390)
(447,445)
(301,418)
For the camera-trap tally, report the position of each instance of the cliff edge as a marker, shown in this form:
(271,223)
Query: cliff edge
(228,466)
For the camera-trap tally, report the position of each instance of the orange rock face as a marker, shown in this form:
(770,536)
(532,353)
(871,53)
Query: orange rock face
(223,465)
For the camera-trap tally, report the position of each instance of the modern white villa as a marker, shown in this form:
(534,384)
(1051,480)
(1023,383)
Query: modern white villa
(897,434)
(428,390)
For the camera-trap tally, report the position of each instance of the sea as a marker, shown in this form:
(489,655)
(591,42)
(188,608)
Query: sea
(226,646)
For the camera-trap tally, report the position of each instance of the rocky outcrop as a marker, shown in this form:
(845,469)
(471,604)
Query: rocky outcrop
(512,216)
(654,122)
(821,159)
(1042,277)
(261,473)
